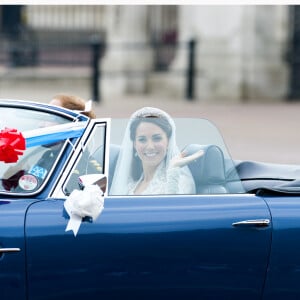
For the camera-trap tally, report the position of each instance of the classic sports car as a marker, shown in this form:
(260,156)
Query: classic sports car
(236,238)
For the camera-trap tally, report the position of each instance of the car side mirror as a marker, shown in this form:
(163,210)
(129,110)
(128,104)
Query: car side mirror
(90,179)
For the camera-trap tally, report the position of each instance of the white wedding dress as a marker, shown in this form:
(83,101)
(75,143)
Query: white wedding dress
(166,181)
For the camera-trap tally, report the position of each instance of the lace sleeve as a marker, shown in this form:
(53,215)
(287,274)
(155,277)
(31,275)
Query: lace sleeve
(179,181)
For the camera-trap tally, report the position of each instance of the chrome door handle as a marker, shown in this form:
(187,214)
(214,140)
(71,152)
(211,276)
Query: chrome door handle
(9,250)
(253,223)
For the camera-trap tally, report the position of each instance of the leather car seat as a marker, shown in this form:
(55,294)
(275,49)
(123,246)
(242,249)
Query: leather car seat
(208,170)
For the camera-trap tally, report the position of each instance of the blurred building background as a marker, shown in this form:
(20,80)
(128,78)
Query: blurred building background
(198,53)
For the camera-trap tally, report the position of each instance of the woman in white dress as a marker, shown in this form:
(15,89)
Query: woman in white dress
(149,161)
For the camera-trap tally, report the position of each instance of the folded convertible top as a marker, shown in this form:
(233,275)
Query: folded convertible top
(269,177)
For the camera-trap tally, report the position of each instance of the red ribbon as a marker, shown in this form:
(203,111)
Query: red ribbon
(12,143)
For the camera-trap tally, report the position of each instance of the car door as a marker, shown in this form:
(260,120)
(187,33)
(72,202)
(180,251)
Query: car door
(151,247)
(178,247)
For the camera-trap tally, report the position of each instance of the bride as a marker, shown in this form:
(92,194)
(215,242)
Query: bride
(149,161)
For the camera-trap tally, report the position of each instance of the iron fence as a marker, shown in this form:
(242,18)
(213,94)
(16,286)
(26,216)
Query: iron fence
(26,48)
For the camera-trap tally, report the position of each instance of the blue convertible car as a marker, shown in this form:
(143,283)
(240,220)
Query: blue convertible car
(236,238)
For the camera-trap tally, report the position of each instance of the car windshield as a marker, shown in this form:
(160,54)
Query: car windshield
(214,172)
(32,168)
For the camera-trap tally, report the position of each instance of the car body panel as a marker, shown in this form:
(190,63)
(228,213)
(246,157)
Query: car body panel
(147,247)
(13,264)
(284,269)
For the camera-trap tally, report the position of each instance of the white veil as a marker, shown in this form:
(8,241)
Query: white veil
(123,171)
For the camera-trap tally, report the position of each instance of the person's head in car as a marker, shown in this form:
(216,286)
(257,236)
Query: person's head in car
(74,103)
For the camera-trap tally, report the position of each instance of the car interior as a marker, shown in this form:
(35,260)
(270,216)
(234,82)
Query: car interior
(209,170)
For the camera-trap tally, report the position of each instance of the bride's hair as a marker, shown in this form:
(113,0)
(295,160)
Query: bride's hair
(160,121)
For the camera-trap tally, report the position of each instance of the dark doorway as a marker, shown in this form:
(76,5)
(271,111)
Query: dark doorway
(11,18)
(163,22)
(21,44)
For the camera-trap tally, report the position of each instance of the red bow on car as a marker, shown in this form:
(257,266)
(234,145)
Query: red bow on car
(12,144)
